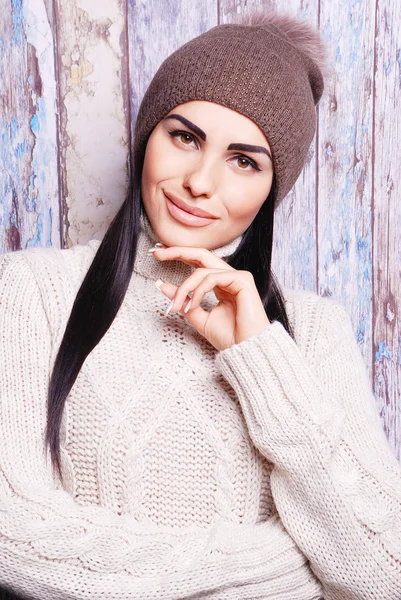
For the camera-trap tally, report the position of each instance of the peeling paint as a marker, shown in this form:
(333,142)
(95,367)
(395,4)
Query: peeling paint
(28,131)
(22,148)
(329,151)
(43,183)
(363,246)
(92,107)
(387,20)
(17,24)
(79,71)
(360,334)
(49,241)
(388,67)
(383,352)
(390,314)
(34,123)
(11,147)
(12,231)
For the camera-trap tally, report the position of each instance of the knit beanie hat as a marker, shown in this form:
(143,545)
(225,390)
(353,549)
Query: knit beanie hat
(267,67)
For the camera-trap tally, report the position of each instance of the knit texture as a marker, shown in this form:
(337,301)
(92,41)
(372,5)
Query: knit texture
(259,71)
(261,471)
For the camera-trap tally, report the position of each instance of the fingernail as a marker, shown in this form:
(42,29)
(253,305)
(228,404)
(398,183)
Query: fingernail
(159,283)
(151,250)
(159,245)
(188,306)
(170,306)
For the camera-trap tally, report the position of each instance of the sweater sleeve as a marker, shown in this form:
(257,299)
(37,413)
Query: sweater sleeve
(52,548)
(335,482)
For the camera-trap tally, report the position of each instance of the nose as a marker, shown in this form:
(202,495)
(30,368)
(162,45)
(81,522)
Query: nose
(200,177)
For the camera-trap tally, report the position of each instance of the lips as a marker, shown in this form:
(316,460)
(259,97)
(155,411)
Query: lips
(192,210)
(186,218)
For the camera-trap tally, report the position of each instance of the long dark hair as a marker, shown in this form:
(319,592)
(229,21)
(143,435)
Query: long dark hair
(103,289)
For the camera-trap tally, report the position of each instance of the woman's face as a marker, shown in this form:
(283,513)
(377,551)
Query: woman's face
(200,154)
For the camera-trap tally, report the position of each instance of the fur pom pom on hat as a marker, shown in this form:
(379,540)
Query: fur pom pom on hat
(266,66)
(300,34)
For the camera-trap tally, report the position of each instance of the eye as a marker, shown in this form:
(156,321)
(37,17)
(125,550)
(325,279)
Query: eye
(248,162)
(186,137)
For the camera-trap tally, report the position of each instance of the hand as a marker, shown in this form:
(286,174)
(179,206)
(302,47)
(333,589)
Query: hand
(239,313)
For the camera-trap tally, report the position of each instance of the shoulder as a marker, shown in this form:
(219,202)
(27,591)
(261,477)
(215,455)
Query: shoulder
(58,262)
(317,321)
(52,264)
(53,273)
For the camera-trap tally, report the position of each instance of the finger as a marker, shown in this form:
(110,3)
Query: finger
(188,286)
(197,317)
(170,290)
(227,280)
(196,257)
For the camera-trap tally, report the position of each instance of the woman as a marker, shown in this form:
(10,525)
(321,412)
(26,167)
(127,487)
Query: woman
(227,445)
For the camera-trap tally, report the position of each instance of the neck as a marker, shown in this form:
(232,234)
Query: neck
(173,271)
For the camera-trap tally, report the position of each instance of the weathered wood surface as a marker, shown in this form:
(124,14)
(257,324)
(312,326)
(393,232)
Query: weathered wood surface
(345,166)
(72,74)
(386,203)
(94,110)
(29,200)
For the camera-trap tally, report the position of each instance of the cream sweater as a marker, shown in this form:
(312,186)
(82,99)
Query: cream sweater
(258,472)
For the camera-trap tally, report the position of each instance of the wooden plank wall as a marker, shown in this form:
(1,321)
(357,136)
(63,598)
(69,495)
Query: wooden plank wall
(72,74)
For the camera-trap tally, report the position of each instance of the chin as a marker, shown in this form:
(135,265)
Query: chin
(183,237)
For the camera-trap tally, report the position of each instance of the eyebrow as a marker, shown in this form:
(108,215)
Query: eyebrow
(202,135)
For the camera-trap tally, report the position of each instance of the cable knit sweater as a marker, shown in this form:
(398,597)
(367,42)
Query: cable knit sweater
(258,472)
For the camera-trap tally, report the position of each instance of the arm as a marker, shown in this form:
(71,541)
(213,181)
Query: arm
(52,548)
(335,483)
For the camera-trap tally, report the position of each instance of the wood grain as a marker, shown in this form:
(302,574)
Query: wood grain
(29,203)
(345,166)
(387,220)
(156,29)
(94,132)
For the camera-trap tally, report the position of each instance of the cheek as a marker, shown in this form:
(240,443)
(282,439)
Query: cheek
(152,163)
(160,161)
(246,197)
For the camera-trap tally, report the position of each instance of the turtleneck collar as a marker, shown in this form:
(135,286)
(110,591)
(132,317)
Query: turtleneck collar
(173,271)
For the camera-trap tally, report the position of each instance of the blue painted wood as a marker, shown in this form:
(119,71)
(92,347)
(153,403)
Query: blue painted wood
(386,154)
(28,150)
(345,166)
(155,29)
